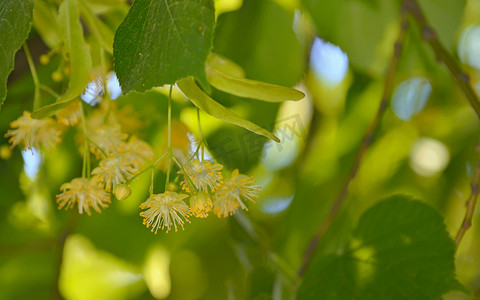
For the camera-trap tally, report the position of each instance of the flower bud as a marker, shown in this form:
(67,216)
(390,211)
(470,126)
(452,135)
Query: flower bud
(44,59)
(122,191)
(172,187)
(57,76)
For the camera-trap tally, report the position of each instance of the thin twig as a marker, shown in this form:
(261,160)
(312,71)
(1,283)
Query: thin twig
(430,36)
(367,140)
(471,202)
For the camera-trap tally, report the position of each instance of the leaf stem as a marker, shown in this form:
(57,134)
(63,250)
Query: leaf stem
(97,146)
(86,153)
(146,169)
(471,201)
(366,142)
(201,134)
(36,81)
(185,174)
(430,36)
(169,142)
(49,90)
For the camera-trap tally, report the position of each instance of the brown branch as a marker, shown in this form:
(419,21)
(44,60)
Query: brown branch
(366,142)
(471,202)
(430,36)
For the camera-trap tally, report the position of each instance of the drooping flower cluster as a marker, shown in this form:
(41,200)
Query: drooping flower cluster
(121,159)
(114,169)
(205,175)
(233,192)
(121,156)
(32,133)
(164,211)
(84,193)
(206,189)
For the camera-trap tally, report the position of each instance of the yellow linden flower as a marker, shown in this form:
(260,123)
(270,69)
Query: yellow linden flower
(109,138)
(32,133)
(69,115)
(83,192)
(165,210)
(204,175)
(113,170)
(228,196)
(200,205)
(224,207)
(138,150)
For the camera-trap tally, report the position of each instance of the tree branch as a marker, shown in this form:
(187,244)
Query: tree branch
(471,202)
(366,142)
(430,36)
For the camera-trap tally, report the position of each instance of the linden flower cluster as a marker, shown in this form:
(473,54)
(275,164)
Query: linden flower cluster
(207,190)
(31,133)
(119,156)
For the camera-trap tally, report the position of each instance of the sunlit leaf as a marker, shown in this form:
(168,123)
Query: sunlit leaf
(160,42)
(88,273)
(224,65)
(251,88)
(15,19)
(400,249)
(215,109)
(76,49)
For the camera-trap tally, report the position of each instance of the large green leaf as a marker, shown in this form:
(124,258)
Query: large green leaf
(15,19)
(160,42)
(215,109)
(78,53)
(400,250)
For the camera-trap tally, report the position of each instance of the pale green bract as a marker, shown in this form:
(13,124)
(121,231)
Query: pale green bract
(201,100)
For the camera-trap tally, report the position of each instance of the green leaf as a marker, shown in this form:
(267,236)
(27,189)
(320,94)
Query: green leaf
(400,250)
(160,42)
(15,20)
(215,109)
(251,88)
(78,52)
